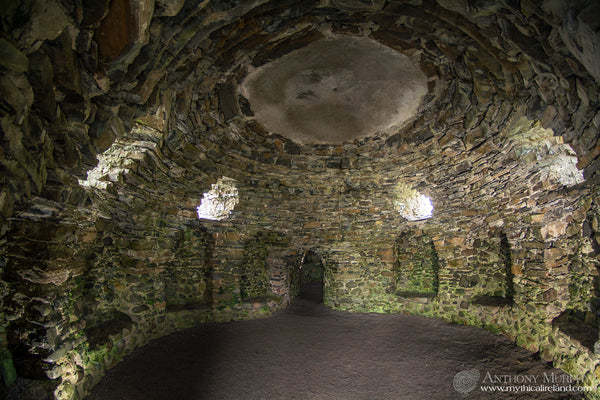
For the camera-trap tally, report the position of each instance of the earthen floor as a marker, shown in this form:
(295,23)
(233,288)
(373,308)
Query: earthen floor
(310,352)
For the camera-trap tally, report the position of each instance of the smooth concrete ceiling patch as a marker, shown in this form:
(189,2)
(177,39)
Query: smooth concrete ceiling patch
(337,89)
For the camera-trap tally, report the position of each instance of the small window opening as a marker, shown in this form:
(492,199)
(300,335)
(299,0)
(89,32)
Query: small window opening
(218,202)
(411,204)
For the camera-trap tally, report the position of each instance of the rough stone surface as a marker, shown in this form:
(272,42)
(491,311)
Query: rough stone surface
(500,139)
(12,58)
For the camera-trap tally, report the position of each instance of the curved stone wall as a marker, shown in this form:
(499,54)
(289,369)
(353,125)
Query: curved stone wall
(117,116)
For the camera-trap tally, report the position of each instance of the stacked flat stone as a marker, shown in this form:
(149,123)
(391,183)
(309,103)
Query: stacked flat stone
(148,90)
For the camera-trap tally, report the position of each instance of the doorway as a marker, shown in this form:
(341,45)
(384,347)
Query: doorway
(311,277)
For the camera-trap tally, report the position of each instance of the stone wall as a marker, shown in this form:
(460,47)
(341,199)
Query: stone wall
(118,116)
(417,266)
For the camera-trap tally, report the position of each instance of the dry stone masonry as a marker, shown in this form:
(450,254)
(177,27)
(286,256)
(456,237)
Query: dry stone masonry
(119,118)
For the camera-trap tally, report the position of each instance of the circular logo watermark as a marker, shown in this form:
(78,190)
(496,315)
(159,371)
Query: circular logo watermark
(465,381)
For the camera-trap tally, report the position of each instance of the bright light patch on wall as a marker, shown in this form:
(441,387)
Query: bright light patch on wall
(545,154)
(563,168)
(117,161)
(411,204)
(218,202)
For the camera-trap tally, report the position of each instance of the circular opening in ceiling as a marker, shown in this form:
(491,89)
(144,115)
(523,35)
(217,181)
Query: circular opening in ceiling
(335,90)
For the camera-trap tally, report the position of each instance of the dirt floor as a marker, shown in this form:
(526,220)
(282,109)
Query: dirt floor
(310,352)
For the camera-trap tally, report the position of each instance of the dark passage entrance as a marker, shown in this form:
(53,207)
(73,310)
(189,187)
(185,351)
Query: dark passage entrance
(311,277)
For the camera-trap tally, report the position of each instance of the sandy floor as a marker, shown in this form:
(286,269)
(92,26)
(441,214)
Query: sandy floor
(309,352)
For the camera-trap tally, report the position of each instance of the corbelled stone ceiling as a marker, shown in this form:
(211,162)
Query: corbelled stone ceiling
(167,163)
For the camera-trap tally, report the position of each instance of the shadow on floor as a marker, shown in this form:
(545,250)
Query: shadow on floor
(310,352)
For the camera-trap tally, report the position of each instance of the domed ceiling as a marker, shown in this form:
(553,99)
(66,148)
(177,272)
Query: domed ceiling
(337,89)
(309,118)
